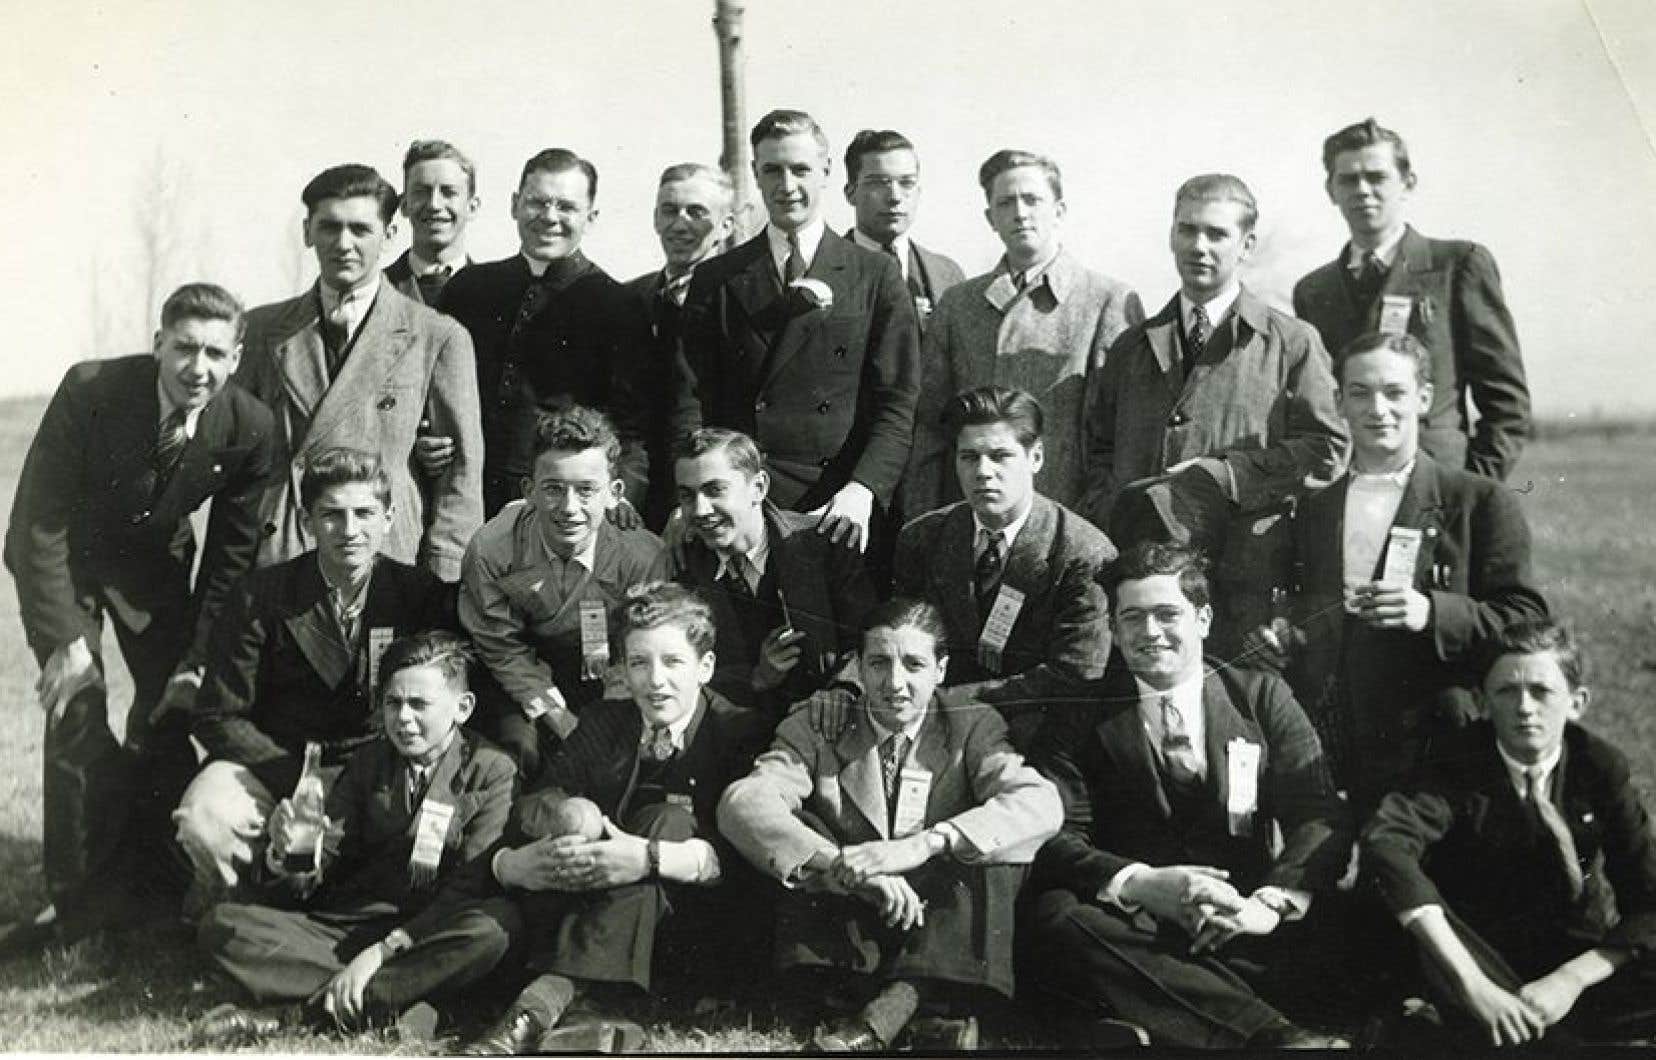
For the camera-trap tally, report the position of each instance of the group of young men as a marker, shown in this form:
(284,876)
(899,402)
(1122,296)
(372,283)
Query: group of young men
(991,626)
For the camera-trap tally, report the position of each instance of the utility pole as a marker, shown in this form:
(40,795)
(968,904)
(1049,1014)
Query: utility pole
(734,158)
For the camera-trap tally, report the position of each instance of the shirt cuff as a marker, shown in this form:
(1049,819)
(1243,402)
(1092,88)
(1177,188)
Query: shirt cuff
(1290,903)
(689,861)
(803,873)
(960,848)
(494,866)
(1419,912)
(1111,892)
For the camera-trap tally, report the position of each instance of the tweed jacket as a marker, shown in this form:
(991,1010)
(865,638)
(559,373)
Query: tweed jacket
(1459,314)
(1045,340)
(407,365)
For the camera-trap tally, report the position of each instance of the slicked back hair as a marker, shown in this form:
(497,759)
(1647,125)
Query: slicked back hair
(1366,133)
(559,160)
(904,611)
(870,142)
(1220,187)
(351,181)
(439,150)
(342,467)
(1403,345)
(204,301)
(1009,158)
(742,451)
(780,123)
(447,652)
(1149,559)
(1018,409)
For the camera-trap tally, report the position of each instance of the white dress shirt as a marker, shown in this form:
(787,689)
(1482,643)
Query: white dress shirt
(168,407)
(1371,506)
(454,261)
(1385,253)
(354,304)
(753,570)
(1215,307)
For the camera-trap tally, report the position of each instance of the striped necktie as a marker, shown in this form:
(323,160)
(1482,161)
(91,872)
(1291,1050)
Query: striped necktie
(170,441)
(1535,793)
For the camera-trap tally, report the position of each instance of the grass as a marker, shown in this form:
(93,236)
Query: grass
(1591,501)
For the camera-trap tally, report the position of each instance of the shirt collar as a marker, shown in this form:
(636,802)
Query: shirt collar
(1187,696)
(810,238)
(454,257)
(756,557)
(900,245)
(1009,532)
(336,594)
(1385,253)
(1215,307)
(585,555)
(168,406)
(356,301)
(1398,479)
(675,730)
(1518,772)
(911,730)
(1037,272)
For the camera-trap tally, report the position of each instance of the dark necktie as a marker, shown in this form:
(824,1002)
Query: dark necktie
(169,446)
(674,289)
(892,752)
(794,267)
(991,564)
(658,746)
(1370,277)
(1196,339)
(431,284)
(1179,754)
(735,577)
(1553,821)
(417,781)
(336,337)
(916,289)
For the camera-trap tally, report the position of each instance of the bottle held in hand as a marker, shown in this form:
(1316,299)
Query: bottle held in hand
(305,827)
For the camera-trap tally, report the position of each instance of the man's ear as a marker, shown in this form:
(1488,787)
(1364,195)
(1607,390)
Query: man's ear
(527,485)
(305,232)
(616,493)
(464,707)
(761,482)
(705,667)
(1578,703)
(1204,619)
(1037,455)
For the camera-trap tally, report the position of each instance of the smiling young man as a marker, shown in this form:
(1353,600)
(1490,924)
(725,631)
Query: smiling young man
(540,580)
(127,449)
(1561,949)
(1038,321)
(1404,572)
(1445,293)
(439,200)
(807,344)
(294,659)
(551,329)
(787,603)
(353,363)
(1014,573)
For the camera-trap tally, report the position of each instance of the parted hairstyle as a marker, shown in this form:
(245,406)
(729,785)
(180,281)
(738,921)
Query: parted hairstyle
(1018,409)
(908,611)
(1534,636)
(341,467)
(784,122)
(1220,187)
(869,142)
(652,605)
(203,301)
(1010,158)
(1151,558)
(351,181)
(576,429)
(436,150)
(742,451)
(680,171)
(447,652)
(1403,345)
(1366,133)
(559,160)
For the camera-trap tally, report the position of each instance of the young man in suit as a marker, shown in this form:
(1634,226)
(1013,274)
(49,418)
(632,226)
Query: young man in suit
(1524,864)
(294,658)
(787,603)
(1162,895)
(374,934)
(597,907)
(353,363)
(551,330)
(1404,571)
(901,844)
(882,184)
(1038,321)
(693,221)
(540,581)
(1014,573)
(1445,293)
(439,200)
(126,450)
(807,344)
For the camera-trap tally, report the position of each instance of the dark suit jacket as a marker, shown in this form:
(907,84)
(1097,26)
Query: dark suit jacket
(366,861)
(585,346)
(401,276)
(278,674)
(1062,633)
(1391,684)
(935,272)
(655,390)
(1116,811)
(827,593)
(828,394)
(1461,837)
(1460,315)
(86,521)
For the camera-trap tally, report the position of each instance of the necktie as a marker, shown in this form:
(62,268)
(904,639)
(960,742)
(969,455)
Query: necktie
(1196,339)
(431,283)
(991,564)
(794,267)
(1370,277)
(1553,821)
(417,777)
(735,576)
(675,288)
(336,336)
(658,746)
(892,753)
(169,446)
(1178,752)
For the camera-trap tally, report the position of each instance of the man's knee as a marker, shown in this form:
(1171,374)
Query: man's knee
(220,818)
(665,821)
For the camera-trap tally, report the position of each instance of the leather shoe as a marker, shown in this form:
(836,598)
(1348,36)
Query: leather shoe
(518,1032)
(417,1023)
(231,1024)
(942,1034)
(594,1035)
(847,1036)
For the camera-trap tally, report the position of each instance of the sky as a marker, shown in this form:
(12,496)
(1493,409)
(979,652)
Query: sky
(189,127)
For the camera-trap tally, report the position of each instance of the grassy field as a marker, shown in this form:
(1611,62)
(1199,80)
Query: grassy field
(1590,497)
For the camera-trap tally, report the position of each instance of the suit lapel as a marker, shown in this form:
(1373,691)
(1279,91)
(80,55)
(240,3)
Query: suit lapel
(832,265)
(860,778)
(315,632)
(1026,565)
(954,571)
(1414,255)
(1223,723)
(757,292)
(1161,333)
(1421,508)
(1122,735)
(300,356)
(381,341)
(797,584)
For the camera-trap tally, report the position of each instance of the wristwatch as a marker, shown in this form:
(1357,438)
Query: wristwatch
(652,859)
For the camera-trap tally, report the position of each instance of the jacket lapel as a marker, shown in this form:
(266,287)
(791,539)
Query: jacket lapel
(1421,508)
(315,632)
(1414,255)
(860,778)
(1223,723)
(1026,565)
(954,572)
(1160,332)
(1122,735)
(382,340)
(832,266)
(797,582)
(300,357)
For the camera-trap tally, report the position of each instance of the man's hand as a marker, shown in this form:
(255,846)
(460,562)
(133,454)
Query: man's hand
(845,518)
(829,711)
(180,695)
(1507,1018)
(778,655)
(1274,644)
(1385,608)
(898,904)
(858,865)
(342,996)
(68,670)
(1553,995)
(1214,928)
(433,453)
(617,859)
(624,516)
(1181,893)
(544,865)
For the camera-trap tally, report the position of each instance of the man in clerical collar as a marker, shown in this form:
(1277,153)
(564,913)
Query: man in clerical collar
(540,580)
(787,602)
(439,200)
(295,660)
(1038,321)
(1406,569)
(693,221)
(552,330)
